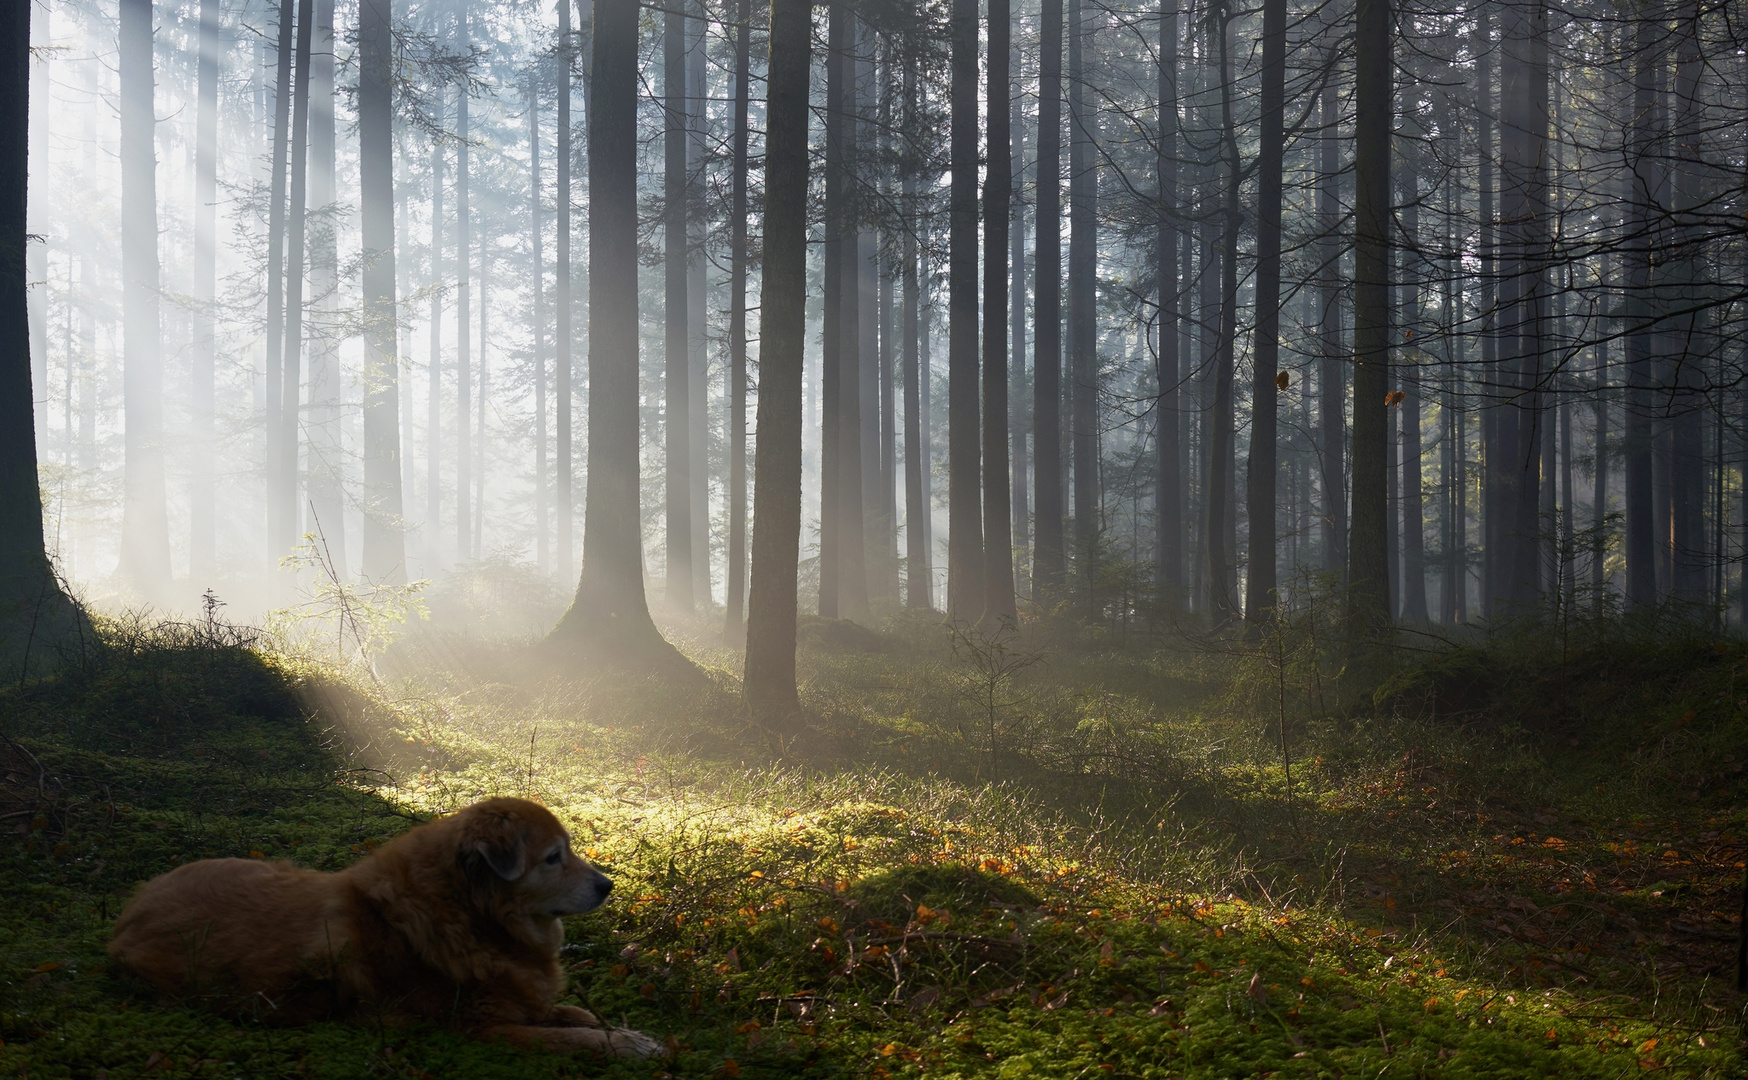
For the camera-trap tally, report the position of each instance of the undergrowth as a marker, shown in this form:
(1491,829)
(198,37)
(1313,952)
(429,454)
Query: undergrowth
(1060,856)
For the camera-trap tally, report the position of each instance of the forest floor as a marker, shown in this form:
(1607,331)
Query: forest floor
(1059,854)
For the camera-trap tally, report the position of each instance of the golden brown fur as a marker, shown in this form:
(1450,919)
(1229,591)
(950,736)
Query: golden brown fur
(459,921)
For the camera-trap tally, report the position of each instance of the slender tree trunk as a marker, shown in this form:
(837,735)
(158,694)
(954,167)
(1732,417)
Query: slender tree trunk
(1260,591)
(1222,558)
(916,464)
(609,620)
(698,393)
(676,424)
(965,578)
(1494,525)
(537,249)
(1083,360)
(1332,371)
(291,370)
(326,450)
(1690,341)
(1368,594)
(385,556)
(202,520)
(463,317)
(737,332)
(998,560)
(562,369)
(1048,569)
(279,530)
(1413,495)
(145,529)
(832,337)
(1017,419)
(1168,493)
(853,451)
(477,534)
(770,656)
(434,373)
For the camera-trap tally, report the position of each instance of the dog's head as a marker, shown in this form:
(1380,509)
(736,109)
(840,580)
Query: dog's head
(523,847)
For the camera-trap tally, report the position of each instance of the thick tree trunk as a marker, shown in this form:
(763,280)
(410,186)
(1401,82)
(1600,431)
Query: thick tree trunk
(609,620)
(998,560)
(145,528)
(36,618)
(770,656)
(1048,561)
(385,556)
(677,372)
(965,578)
(1690,342)
(1260,590)
(1368,593)
(737,333)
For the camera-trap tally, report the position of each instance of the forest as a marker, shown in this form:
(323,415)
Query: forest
(1065,537)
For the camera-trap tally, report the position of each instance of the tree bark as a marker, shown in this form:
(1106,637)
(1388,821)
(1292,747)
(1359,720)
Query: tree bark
(1332,370)
(998,559)
(434,373)
(1168,492)
(609,619)
(1368,593)
(537,250)
(770,656)
(278,529)
(284,484)
(326,464)
(916,507)
(562,367)
(202,520)
(677,373)
(385,556)
(831,495)
(1083,360)
(1260,590)
(1222,437)
(965,578)
(36,617)
(1049,558)
(737,332)
(463,314)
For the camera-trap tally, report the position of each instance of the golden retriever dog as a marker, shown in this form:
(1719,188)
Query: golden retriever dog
(458,921)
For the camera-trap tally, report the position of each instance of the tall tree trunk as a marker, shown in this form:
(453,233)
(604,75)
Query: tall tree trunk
(737,331)
(770,656)
(916,464)
(965,578)
(385,555)
(36,618)
(1048,561)
(1494,524)
(1523,210)
(697,332)
(1222,558)
(1083,360)
(1332,370)
(477,533)
(563,491)
(853,452)
(1413,334)
(677,373)
(866,156)
(609,620)
(463,315)
(1017,419)
(537,249)
(145,528)
(998,560)
(279,530)
(1689,338)
(1368,594)
(1260,591)
(284,484)
(434,373)
(326,449)
(202,520)
(1168,495)
(832,317)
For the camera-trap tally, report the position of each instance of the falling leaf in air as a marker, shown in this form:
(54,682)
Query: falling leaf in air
(1281,380)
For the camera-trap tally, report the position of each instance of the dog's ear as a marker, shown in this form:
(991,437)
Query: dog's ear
(506,853)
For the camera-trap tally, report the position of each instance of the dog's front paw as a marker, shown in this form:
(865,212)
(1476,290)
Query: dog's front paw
(630,1043)
(576,1017)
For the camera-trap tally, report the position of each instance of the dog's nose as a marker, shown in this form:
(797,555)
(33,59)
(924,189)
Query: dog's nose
(605,884)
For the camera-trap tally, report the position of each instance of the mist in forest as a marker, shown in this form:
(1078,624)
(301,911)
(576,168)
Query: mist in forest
(1160,314)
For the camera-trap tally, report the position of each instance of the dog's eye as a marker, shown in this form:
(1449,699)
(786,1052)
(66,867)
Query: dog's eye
(553,859)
